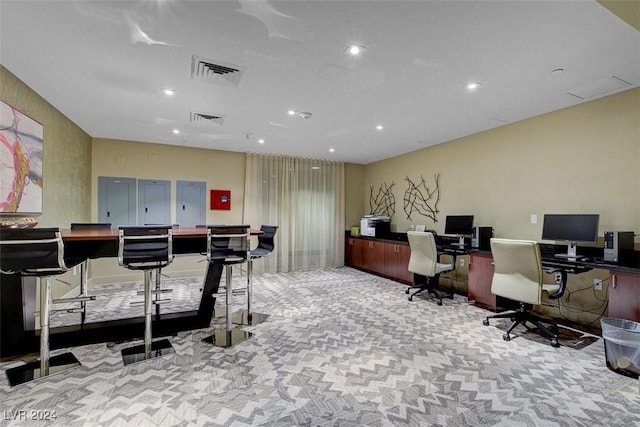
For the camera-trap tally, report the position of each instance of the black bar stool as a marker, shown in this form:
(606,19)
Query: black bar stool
(228,245)
(266,244)
(37,252)
(146,248)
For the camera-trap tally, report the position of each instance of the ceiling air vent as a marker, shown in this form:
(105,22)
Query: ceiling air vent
(213,71)
(206,118)
(600,87)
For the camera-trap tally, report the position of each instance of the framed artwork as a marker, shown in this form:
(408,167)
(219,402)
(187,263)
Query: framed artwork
(21,144)
(221,200)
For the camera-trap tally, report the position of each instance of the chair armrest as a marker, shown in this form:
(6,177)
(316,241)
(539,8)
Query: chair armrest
(563,280)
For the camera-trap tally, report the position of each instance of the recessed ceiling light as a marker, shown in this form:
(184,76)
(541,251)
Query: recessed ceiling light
(291,112)
(176,131)
(168,92)
(379,127)
(354,49)
(472,86)
(331,150)
(261,141)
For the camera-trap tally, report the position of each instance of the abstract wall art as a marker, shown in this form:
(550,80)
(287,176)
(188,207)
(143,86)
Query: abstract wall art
(21,144)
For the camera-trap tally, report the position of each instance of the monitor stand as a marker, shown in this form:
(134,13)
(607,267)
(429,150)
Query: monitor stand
(571,251)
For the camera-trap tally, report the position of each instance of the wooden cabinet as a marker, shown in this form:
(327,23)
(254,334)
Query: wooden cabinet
(396,261)
(480,276)
(624,296)
(373,256)
(385,258)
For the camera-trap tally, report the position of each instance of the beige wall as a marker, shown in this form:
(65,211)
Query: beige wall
(584,159)
(221,170)
(66,158)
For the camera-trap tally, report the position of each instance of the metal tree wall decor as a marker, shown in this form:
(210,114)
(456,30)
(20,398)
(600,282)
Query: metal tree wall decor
(421,199)
(384,202)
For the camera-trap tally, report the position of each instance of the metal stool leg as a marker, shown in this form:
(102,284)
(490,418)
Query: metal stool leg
(149,349)
(230,335)
(248,317)
(46,365)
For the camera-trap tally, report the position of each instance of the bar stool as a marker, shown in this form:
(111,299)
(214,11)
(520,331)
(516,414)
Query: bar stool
(157,300)
(228,245)
(145,248)
(36,252)
(84,268)
(265,246)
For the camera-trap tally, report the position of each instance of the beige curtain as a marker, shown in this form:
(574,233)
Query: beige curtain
(305,199)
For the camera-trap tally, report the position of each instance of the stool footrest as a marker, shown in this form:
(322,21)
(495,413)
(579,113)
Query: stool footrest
(74,299)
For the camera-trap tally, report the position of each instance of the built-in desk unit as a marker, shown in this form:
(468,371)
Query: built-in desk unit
(386,258)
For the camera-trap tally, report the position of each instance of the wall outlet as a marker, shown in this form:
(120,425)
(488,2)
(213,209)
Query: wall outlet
(597,284)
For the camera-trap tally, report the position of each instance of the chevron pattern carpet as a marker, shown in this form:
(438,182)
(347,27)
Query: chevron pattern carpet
(341,348)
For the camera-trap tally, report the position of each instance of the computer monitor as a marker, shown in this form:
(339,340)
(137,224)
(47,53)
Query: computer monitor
(572,228)
(461,225)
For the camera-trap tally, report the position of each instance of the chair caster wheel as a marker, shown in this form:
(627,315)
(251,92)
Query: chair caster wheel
(406,291)
(555,343)
(411,298)
(506,337)
(439,302)
(485,322)
(451,296)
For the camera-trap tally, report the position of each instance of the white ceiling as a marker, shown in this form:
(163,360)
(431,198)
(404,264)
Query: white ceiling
(103,64)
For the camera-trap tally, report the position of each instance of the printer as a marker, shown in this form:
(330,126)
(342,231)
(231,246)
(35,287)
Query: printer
(375,226)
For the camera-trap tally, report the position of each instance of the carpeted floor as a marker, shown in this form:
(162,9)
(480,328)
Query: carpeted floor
(341,348)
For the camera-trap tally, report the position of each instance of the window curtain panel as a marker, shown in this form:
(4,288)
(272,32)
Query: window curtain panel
(305,199)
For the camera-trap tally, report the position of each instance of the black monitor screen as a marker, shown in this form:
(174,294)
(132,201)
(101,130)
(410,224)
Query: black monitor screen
(459,224)
(571,227)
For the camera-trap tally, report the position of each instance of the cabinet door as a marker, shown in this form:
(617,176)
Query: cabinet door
(480,276)
(624,296)
(396,262)
(353,252)
(373,256)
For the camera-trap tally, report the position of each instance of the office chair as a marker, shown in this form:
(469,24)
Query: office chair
(518,276)
(424,265)
(266,244)
(84,266)
(146,248)
(36,252)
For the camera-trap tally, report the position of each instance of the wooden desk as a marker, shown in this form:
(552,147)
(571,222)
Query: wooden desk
(16,339)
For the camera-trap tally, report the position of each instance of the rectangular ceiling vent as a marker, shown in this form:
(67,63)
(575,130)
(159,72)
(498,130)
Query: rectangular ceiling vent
(600,87)
(206,118)
(213,71)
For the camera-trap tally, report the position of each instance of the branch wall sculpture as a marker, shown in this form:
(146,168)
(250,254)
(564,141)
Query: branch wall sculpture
(384,202)
(419,198)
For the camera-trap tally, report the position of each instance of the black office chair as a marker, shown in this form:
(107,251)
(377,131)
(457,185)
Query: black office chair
(424,265)
(83,296)
(37,252)
(228,245)
(266,244)
(146,248)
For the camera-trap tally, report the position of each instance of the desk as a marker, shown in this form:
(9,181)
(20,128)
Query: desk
(624,283)
(16,339)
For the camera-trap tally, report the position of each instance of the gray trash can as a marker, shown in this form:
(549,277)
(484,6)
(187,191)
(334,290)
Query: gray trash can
(622,345)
